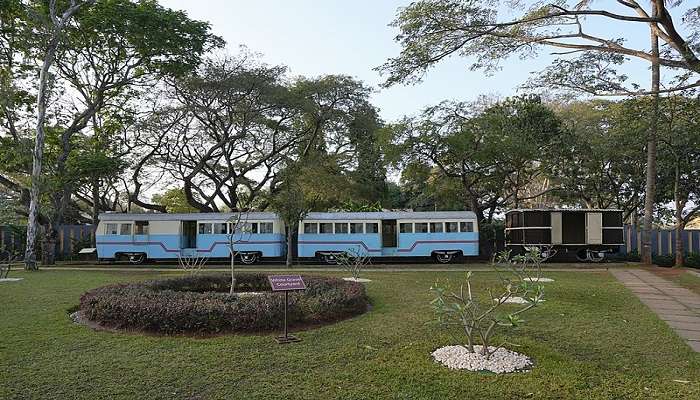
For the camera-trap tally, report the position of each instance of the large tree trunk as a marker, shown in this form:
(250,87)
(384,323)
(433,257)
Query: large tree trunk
(38,157)
(48,255)
(650,191)
(290,247)
(680,224)
(38,154)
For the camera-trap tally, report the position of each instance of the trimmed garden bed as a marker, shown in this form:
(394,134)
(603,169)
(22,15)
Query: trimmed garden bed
(202,305)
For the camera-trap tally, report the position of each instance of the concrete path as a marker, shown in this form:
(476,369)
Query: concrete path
(677,306)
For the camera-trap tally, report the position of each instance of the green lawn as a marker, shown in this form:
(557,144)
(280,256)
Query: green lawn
(687,280)
(591,339)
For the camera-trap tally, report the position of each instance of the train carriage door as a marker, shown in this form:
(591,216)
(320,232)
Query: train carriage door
(389,238)
(594,228)
(189,235)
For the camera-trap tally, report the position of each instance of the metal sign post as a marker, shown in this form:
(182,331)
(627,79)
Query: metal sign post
(286,283)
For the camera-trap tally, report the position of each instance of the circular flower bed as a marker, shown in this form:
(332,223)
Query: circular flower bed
(201,304)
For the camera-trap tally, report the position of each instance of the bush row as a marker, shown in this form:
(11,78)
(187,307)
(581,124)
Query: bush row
(201,304)
(692,260)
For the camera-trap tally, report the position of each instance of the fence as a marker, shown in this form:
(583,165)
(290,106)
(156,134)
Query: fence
(663,241)
(71,238)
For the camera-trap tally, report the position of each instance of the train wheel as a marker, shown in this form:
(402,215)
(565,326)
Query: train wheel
(330,259)
(137,259)
(249,258)
(443,258)
(582,255)
(596,256)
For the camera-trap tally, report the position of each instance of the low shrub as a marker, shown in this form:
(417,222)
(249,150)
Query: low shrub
(692,260)
(664,261)
(201,304)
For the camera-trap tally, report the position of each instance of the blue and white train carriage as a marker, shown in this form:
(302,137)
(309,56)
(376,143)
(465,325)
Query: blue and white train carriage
(443,235)
(152,236)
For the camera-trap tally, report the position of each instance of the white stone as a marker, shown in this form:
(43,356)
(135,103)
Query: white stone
(10,279)
(77,317)
(517,300)
(501,360)
(250,294)
(538,280)
(362,280)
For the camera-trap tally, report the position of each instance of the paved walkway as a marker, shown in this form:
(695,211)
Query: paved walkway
(677,306)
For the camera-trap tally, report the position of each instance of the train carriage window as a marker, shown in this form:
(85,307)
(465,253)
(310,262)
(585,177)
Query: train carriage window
(266,227)
(371,227)
(421,227)
(325,227)
(612,219)
(248,227)
(125,229)
(204,229)
(436,227)
(451,227)
(341,227)
(311,228)
(220,228)
(466,227)
(357,227)
(110,229)
(406,227)
(141,228)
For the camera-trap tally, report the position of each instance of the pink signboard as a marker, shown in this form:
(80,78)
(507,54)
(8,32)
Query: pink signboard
(286,282)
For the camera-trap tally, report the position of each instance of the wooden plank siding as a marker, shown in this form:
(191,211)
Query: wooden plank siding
(663,242)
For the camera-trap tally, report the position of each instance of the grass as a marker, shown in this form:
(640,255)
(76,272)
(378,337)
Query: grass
(687,280)
(592,339)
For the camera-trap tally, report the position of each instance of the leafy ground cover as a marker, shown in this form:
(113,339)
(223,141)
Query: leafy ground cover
(592,339)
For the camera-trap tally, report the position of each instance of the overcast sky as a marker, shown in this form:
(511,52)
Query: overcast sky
(352,37)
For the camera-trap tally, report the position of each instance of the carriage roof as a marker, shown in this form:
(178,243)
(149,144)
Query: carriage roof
(185,216)
(400,215)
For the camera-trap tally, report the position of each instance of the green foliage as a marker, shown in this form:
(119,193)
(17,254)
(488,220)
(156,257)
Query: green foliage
(601,159)
(158,38)
(174,201)
(356,206)
(490,152)
(664,260)
(692,260)
(479,317)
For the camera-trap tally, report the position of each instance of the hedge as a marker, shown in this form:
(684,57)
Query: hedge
(201,304)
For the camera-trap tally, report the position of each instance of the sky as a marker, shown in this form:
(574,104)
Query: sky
(318,37)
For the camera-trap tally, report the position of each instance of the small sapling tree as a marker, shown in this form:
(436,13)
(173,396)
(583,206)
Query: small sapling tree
(238,230)
(480,315)
(192,262)
(353,260)
(7,258)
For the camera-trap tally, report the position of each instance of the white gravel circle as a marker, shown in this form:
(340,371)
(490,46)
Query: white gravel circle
(500,362)
(539,279)
(363,280)
(517,300)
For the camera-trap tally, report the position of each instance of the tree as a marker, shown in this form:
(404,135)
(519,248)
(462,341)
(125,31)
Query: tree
(431,30)
(174,200)
(238,122)
(55,26)
(492,152)
(599,163)
(679,158)
(110,53)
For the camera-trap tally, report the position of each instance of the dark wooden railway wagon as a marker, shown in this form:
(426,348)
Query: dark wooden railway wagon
(590,233)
